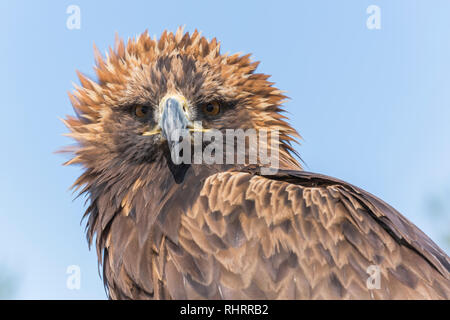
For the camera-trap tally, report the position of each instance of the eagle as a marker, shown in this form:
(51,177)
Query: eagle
(170,229)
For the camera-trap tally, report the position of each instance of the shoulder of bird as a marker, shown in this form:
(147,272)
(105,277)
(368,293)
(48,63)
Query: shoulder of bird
(294,235)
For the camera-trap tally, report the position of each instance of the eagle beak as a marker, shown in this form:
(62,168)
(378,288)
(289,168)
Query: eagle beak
(172,117)
(173,121)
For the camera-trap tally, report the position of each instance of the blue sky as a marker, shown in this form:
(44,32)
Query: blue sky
(373,107)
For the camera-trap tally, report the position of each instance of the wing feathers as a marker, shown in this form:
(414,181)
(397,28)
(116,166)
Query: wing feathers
(294,235)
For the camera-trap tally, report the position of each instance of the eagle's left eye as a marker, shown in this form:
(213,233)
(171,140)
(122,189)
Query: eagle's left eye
(211,108)
(141,111)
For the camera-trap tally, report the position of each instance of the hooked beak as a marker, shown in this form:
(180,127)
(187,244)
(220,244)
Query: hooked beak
(172,117)
(173,121)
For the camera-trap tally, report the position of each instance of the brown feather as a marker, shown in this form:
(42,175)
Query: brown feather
(317,244)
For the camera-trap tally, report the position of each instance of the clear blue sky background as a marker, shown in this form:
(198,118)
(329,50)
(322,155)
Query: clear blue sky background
(373,107)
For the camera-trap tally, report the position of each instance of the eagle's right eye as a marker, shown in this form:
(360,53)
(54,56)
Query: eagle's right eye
(140,111)
(211,109)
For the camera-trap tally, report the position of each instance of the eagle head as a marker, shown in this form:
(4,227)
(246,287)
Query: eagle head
(148,90)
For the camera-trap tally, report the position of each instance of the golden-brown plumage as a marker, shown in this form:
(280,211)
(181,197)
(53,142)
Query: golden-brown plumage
(226,231)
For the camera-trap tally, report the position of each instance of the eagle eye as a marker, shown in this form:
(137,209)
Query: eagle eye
(140,111)
(211,108)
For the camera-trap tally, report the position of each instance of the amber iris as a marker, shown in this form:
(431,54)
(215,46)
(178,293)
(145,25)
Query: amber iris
(211,108)
(140,111)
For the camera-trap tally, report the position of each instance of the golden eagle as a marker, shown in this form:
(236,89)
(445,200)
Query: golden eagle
(169,230)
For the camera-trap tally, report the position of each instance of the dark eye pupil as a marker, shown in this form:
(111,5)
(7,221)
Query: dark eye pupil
(144,109)
(210,108)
